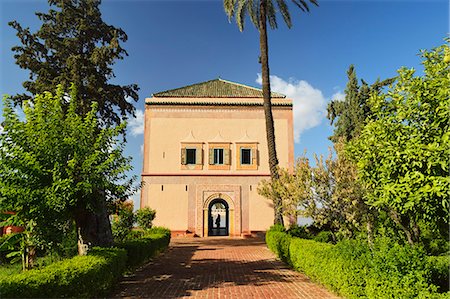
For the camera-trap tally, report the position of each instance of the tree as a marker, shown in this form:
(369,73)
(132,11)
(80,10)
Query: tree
(402,154)
(53,164)
(123,220)
(145,217)
(329,193)
(74,45)
(293,188)
(350,115)
(262,12)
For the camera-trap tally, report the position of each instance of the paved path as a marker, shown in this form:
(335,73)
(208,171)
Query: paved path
(218,268)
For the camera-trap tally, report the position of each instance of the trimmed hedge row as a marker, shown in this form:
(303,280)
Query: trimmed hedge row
(80,276)
(353,270)
(85,276)
(149,245)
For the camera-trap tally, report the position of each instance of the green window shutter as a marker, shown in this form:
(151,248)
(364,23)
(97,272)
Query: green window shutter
(211,156)
(183,156)
(254,156)
(199,156)
(226,158)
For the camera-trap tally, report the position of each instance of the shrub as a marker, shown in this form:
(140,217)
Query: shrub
(123,221)
(159,230)
(299,231)
(354,270)
(324,237)
(278,241)
(83,276)
(80,276)
(144,217)
(439,266)
(140,250)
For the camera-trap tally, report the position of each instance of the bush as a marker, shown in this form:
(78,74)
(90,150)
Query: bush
(145,217)
(159,230)
(324,237)
(83,276)
(123,221)
(142,249)
(80,276)
(439,266)
(278,241)
(299,231)
(353,270)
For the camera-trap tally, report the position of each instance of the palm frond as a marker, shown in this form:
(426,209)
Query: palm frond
(284,10)
(314,2)
(271,14)
(253,11)
(241,11)
(305,5)
(228,6)
(300,5)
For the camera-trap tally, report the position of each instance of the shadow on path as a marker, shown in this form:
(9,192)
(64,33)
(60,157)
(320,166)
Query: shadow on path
(211,266)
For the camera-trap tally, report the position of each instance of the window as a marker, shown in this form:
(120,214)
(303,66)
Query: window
(191,154)
(218,156)
(246,156)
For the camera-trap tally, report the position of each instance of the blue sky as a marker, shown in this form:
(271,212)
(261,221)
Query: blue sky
(176,43)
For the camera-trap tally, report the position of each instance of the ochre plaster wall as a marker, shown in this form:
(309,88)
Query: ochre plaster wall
(179,205)
(261,212)
(171,205)
(170,126)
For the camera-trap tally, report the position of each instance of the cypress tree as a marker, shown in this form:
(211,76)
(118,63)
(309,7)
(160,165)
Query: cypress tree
(74,45)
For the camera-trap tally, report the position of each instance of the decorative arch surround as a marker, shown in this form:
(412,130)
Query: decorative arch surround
(206,194)
(223,196)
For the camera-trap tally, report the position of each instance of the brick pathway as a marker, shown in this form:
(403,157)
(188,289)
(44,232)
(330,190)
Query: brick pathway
(218,267)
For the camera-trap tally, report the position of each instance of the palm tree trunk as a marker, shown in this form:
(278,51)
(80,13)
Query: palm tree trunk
(270,130)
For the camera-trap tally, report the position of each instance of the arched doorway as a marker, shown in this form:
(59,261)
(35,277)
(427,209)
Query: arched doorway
(218,218)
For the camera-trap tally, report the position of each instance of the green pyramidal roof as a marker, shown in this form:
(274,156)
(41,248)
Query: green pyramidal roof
(217,88)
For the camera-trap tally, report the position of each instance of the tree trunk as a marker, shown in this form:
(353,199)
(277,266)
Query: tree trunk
(270,130)
(93,228)
(416,230)
(30,257)
(405,227)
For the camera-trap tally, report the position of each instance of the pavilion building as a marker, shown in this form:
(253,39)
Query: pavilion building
(205,152)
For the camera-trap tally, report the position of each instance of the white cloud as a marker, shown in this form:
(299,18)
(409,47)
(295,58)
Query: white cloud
(338,96)
(309,102)
(142,149)
(129,99)
(136,124)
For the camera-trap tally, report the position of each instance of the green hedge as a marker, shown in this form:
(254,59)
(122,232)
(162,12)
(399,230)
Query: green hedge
(147,246)
(353,270)
(85,276)
(80,276)
(278,242)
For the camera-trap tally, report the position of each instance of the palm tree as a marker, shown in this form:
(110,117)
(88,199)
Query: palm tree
(260,13)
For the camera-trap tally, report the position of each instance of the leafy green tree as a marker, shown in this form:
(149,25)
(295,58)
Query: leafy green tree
(402,154)
(338,197)
(350,115)
(292,188)
(145,217)
(262,12)
(123,220)
(53,164)
(74,45)
(329,193)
